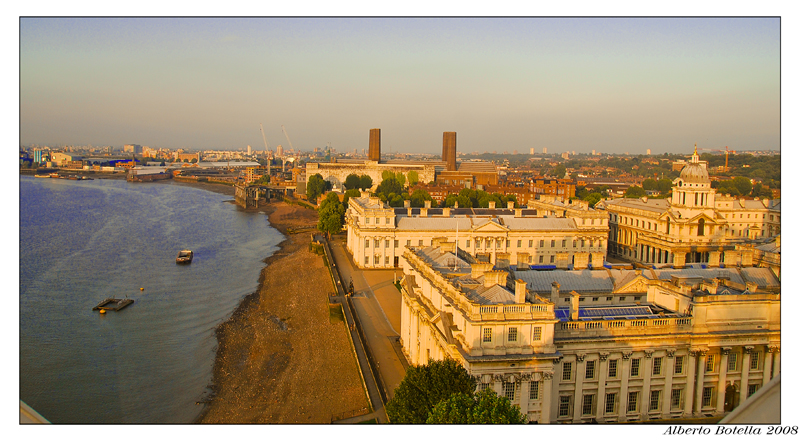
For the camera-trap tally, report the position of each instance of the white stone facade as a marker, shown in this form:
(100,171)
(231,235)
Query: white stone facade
(690,345)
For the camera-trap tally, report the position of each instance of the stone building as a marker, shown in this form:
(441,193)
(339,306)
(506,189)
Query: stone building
(377,234)
(595,345)
(694,226)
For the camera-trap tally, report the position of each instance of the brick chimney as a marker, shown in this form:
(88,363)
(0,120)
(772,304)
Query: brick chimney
(519,291)
(491,278)
(574,301)
(479,268)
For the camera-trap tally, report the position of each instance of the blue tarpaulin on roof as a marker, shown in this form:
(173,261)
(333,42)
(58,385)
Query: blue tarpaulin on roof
(543,267)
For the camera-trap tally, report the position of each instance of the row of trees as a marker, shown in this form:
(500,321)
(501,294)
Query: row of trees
(442,392)
(741,186)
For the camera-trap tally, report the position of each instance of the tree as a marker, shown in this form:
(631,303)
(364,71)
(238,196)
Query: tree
(366,182)
(485,407)
(649,184)
(419,196)
(463,201)
(664,185)
(354,193)
(413,178)
(743,185)
(315,187)
(387,174)
(424,387)
(331,215)
(389,186)
(352,182)
(560,171)
(635,192)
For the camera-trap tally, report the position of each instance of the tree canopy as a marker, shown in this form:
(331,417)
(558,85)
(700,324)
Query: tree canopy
(413,177)
(419,196)
(485,407)
(331,215)
(635,191)
(424,387)
(352,182)
(366,182)
(316,186)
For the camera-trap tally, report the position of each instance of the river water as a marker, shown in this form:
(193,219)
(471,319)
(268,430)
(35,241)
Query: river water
(84,241)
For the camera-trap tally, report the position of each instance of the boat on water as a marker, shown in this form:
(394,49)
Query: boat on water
(184,256)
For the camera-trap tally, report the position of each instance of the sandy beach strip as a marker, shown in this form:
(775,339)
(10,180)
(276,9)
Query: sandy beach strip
(280,357)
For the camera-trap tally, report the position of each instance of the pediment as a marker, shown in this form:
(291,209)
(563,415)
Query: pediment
(636,285)
(491,227)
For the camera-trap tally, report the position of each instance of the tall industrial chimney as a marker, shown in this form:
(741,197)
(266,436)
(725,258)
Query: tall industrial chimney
(449,150)
(375,145)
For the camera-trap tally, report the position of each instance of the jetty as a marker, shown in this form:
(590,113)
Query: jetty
(111,304)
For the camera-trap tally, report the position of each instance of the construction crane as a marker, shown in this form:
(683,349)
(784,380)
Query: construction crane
(283,166)
(726,154)
(269,161)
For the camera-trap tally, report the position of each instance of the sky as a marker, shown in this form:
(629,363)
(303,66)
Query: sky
(608,84)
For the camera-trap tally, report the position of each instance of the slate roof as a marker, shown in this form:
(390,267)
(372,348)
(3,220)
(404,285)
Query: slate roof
(583,281)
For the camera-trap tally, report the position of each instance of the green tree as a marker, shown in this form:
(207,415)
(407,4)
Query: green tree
(649,184)
(315,187)
(743,185)
(366,182)
(354,193)
(331,215)
(401,178)
(389,186)
(424,387)
(759,191)
(664,185)
(560,171)
(387,174)
(352,182)
(419,196)
(413,178)
(485,407)
(463,201)
(635,192)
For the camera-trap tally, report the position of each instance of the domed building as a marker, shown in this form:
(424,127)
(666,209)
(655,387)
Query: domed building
(695,225)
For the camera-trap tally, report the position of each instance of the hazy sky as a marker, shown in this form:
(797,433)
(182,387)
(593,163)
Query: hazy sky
(613,85)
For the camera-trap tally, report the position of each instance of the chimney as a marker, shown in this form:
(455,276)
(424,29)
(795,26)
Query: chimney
(766,202)
(364,193)
(375,145)
(491,204)
(518,212)
(479,268)
(752,287)
(449,150)
(554,292)
(519,291)
(455,205)
(446,212)
(423,212)
(409,211)
(510,205)
(427,204)
(406,204)
(491,278)
(574,301)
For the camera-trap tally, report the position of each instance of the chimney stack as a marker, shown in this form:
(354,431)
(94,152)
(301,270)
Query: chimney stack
(491,278)
(519,291)
(455,205)
(427,204)
(510,205)
(554,292)
(491,204)
(406,203)
(375,145)
(449,150)
(446,212)
(574,301)
(479,268)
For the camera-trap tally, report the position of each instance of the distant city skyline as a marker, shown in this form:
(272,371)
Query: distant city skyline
(609,85)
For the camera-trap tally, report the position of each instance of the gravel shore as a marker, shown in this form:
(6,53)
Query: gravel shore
(281,358)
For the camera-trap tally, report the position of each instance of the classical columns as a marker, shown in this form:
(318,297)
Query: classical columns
(601,385)
(691,368)
(623,389)
(580,372)
(768,363)
(701,371)
(723,372)
(647,372)
(546,397)
(745,374)
(666,400)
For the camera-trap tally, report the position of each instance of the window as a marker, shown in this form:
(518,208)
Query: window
(552,244)
(386,260)
(588,404)
(564,243)
(732,361)
(477,243)
(595,299)
(408,243)
(564,405)
(574,244)
(655,399)
(366,260)
(534,395)
(677,399)
(609,298)
(537,333)
(487,334)
(567,374)
(611,403)
(467,243)
(635,367)
(519,243)
(553,260)
(366,220)
(396,243)
(541,259)
(583,243)
(512,334)
(482,387)
(679,364)
(612,368)
(509,390)
(751,389)
(530,244)
(633,401)
(388,221)
(377,243)
(590,369)
(657,366)
(366,243)
(622,299)
(754,361)
(508,244)
(541,244)
(386,243)
(710,363)
(591,243)
(420,242)
(708,393)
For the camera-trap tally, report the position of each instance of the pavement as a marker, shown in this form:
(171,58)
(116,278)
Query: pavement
(377,303)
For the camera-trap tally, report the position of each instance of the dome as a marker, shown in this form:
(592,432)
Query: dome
(695,173)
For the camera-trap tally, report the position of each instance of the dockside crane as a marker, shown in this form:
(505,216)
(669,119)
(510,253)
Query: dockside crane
(283,166)
(726,154)
(269,161)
